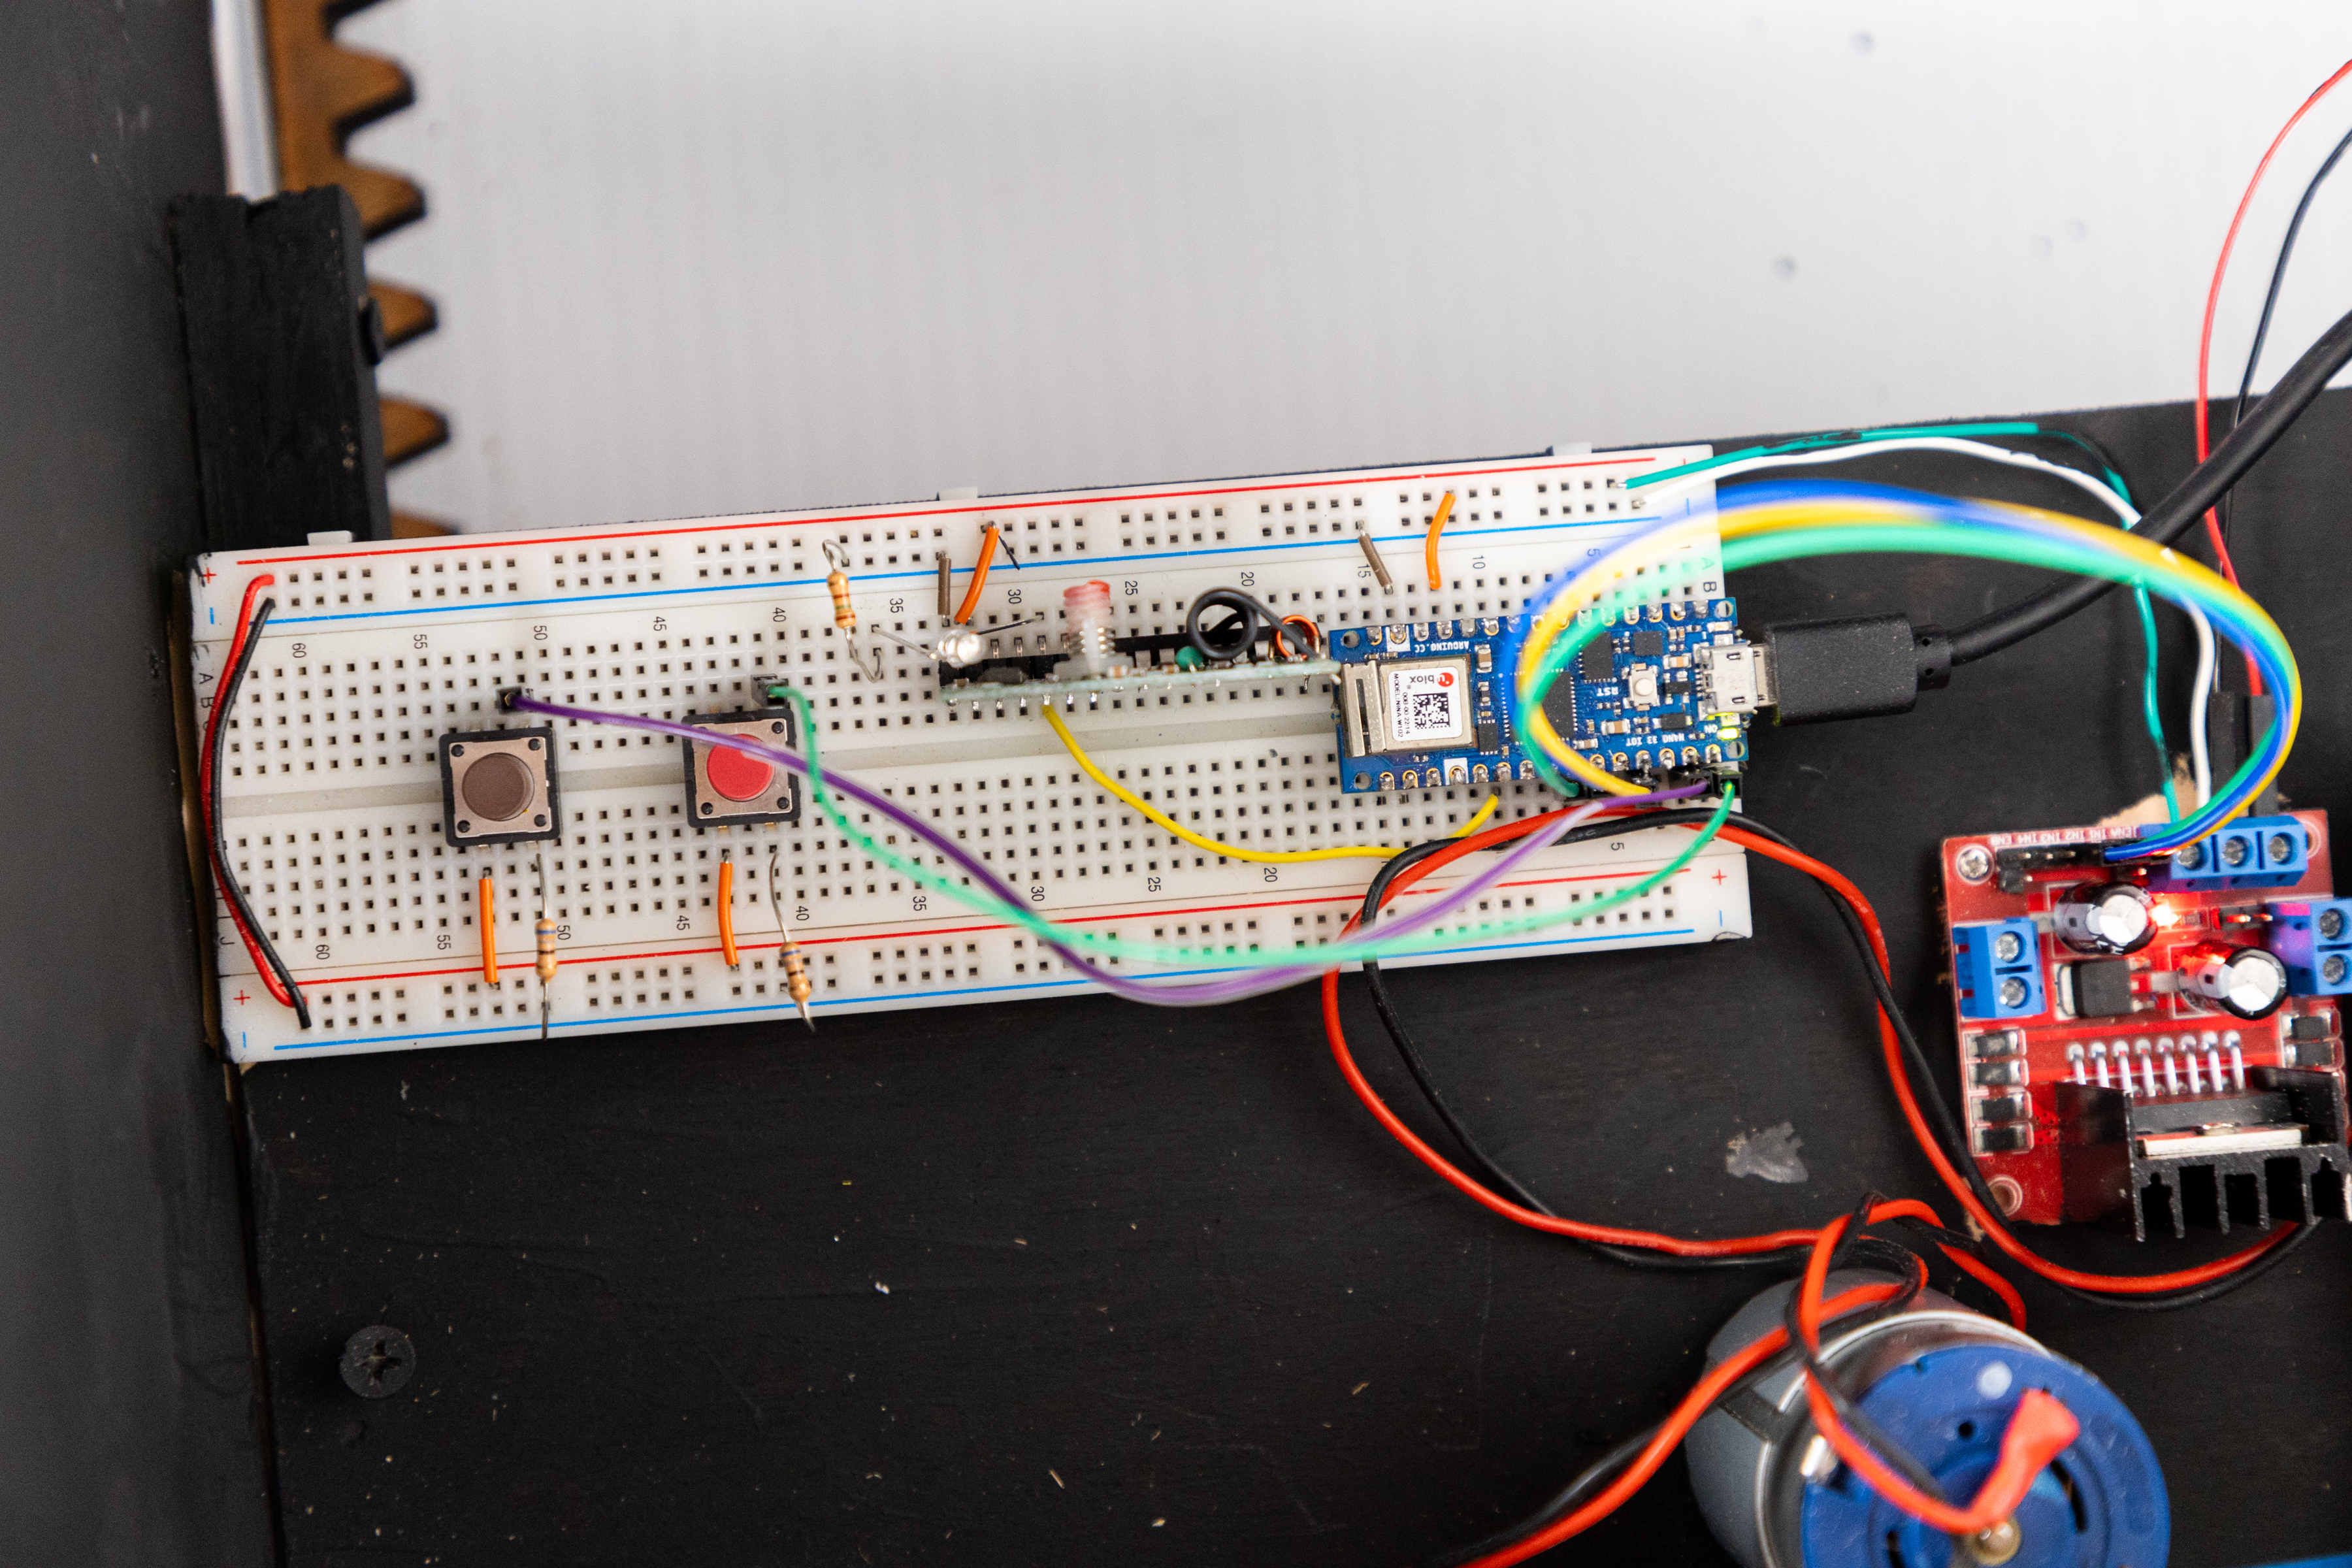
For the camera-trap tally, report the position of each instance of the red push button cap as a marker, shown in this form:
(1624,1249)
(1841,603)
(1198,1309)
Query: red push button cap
(738,776)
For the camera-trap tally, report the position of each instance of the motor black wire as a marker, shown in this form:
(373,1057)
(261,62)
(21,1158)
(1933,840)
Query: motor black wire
(2270,301)
(2174,515)
(1925,1084)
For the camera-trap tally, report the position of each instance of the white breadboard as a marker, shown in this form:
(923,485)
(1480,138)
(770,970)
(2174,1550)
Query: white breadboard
(331,794)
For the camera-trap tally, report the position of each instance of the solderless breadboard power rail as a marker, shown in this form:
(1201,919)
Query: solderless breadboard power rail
(377,802)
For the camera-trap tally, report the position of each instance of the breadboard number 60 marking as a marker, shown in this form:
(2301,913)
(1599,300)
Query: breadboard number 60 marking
(301,650)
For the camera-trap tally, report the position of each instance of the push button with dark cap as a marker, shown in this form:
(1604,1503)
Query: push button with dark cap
(498,786)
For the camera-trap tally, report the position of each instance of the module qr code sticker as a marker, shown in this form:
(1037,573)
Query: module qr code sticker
(1428,706)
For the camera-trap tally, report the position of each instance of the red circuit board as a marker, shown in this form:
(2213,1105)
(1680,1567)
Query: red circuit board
(2168,1031)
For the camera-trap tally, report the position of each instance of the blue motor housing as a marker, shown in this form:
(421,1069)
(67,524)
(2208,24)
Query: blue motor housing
(2101,1504)
(1942,1381)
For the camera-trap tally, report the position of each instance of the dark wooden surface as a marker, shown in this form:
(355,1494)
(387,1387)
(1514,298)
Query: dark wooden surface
(282,344)
(129,1427)
(1157,1289)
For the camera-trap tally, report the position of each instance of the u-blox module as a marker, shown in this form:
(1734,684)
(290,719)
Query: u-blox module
(2157,1042)
(402,843)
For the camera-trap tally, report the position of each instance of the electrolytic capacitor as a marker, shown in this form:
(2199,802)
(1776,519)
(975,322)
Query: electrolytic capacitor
(2245,981)
(2115,918)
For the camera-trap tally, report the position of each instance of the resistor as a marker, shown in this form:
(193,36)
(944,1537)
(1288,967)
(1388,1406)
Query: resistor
(542,933)
(796,980)
(837,583)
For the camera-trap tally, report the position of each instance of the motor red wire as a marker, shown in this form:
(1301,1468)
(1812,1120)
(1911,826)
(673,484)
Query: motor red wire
(1675,1428)
(2039,1429)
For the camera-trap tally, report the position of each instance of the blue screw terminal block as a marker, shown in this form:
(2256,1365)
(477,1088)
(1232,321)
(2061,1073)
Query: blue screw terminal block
(2253,852)
(1997,966)
(2314,941)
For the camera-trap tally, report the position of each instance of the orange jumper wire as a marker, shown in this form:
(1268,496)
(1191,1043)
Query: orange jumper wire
(485,914)
(727,913)
(979,576)
(1429,545)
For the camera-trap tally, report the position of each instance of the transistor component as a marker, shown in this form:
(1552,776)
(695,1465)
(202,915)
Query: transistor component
(498,786)
(2115,918)
(724,785)
(2097,988)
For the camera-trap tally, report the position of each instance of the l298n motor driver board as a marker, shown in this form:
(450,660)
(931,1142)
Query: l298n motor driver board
(2158,1042)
